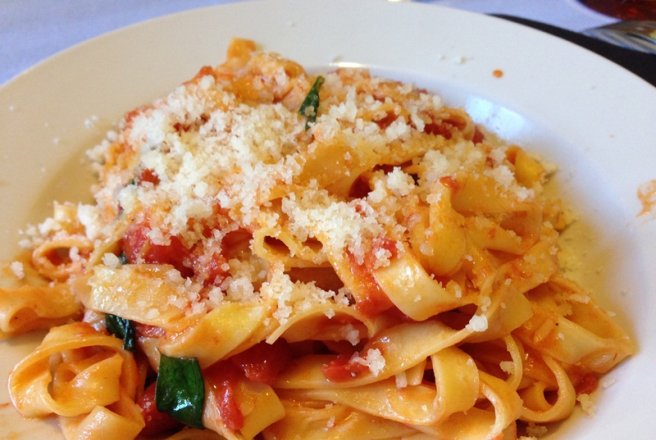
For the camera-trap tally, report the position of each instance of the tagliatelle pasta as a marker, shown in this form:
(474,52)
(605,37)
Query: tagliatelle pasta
(279,255)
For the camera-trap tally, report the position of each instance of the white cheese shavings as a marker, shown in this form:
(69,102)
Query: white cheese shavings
(587,404)
(373,360)
(17,269)
(351,334)
(399,182)
(337,224)
(111,260)
(507,366)
(401,380)
(477,323)
(536,431)
(330,424)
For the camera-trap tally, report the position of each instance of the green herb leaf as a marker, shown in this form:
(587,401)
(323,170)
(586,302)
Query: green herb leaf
(121,328)
(122,258)
(310,104)
(180,390)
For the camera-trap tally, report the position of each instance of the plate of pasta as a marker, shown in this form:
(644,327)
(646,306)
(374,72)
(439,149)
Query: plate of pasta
(274,220)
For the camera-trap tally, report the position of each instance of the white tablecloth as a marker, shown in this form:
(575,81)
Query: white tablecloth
(32,30)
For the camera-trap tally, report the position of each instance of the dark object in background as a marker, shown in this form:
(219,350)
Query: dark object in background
(624,9)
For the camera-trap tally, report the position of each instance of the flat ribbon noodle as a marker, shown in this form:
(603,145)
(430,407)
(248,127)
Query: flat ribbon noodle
(28,308)
(218,333)
(563,406)
(311,323)
(258,403)
(147,293)
(418,295)
(90,369)
(402,346)
(313,420)
(120,420)
(568,326)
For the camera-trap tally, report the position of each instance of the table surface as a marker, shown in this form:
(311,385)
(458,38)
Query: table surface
(33,30)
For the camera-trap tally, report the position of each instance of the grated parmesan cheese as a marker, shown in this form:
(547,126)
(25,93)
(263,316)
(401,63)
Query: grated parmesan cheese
(351,334)
(17,269)
(477,323)
(399,182)
(536,431)
(587,404)
(507,366)
(401,380)
(373,360)
(110,260)
(330,424)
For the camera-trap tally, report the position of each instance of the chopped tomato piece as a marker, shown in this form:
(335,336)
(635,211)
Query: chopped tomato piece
(438,129)
(386,120)
(445,127)
(342,369)
(263,362)
(156,421)
(381,243)
(479,136)
(137,246)
(223,380)
(586,383)
(149,331)
(148,175)
(212,270)
(373,301)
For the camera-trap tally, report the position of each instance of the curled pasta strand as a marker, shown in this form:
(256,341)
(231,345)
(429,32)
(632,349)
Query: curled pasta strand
(59,258)
(516,352)
(74,370)
(565,403)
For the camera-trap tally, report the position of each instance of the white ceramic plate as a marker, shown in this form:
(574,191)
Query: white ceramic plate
(592,118)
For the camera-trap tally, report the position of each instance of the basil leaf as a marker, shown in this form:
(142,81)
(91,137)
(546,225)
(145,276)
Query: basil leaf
(180,390)
(310,104)
(121,328)
(123,259)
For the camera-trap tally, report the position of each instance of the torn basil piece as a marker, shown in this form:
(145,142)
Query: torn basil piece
(121,328)
(180,390)
(310,104)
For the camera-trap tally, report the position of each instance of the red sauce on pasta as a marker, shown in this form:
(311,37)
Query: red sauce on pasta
(223,380)
(342,369)
(149,331)
(138,247)
(156,421)
(263,362)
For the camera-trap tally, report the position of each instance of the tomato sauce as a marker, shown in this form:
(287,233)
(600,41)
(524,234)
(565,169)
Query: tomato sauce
(148,175)
(374,301)
(157,422)
(148,331)
(263,362)
(223,380)
(138,247)
(341,369)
